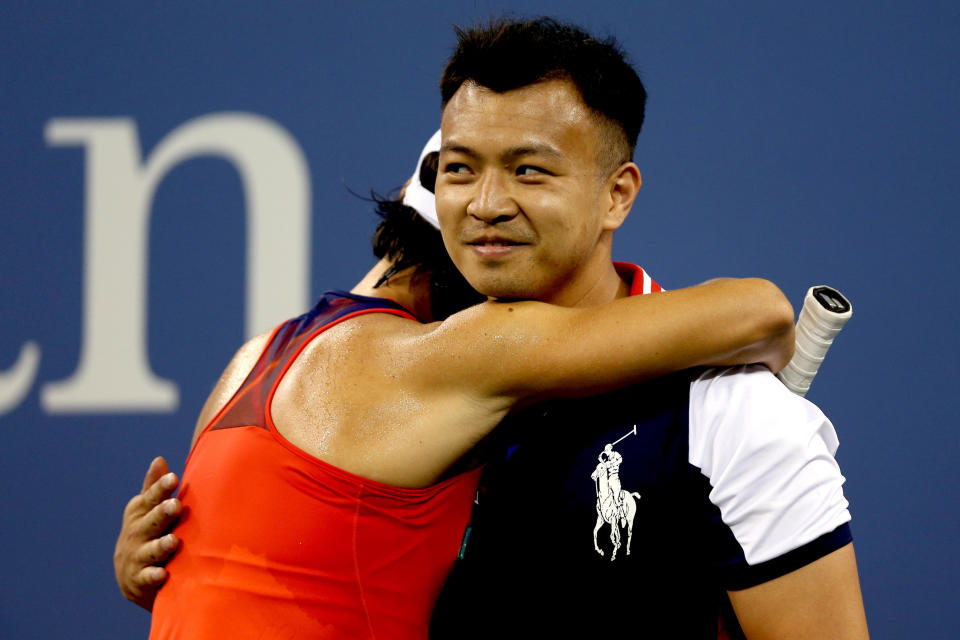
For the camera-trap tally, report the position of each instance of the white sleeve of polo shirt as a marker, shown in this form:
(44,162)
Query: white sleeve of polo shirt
(768,455)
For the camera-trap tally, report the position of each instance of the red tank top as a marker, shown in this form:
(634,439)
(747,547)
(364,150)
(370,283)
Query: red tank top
(279,544)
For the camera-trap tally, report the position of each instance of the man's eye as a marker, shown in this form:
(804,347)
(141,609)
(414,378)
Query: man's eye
(457,168)
(530,170)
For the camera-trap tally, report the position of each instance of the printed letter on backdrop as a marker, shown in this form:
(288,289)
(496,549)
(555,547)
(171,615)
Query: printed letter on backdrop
(16,382)
(114,373)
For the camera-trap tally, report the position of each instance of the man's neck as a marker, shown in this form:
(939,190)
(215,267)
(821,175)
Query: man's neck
(605,286)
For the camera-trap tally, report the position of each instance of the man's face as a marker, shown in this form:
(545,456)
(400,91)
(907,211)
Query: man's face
(523,209)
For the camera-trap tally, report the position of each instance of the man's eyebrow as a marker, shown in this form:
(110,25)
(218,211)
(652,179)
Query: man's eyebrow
(532,150)
(459,148)
(510,154)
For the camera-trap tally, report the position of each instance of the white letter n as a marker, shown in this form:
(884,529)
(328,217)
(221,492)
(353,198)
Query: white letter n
(113,373)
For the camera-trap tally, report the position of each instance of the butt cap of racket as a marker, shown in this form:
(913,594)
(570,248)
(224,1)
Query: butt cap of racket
(825,311)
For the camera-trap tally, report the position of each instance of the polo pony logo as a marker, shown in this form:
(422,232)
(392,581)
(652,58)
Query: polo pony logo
(615,506)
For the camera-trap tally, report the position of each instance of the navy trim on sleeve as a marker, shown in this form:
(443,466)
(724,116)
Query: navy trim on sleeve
(744,576)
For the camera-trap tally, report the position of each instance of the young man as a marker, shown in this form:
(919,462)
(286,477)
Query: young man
(321,496)
(702,489)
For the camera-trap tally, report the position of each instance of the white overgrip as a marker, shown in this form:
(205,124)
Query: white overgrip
(825,311)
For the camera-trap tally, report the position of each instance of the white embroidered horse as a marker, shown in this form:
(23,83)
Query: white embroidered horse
(608,512)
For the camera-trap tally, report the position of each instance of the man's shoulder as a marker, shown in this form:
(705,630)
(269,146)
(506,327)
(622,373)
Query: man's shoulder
(749,398)
(745,377)
(747,387)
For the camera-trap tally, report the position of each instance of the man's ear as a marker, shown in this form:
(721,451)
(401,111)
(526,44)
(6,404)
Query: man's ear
(622,187)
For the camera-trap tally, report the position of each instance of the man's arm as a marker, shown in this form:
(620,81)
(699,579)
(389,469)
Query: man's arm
(783,545)
(142,546)
(821,600)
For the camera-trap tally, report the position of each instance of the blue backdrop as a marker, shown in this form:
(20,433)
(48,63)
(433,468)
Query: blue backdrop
(142,142)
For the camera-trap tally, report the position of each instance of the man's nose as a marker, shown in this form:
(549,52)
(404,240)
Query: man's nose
(492,202)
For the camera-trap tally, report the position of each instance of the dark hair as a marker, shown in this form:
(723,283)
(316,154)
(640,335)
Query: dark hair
(509,54)
(410,241)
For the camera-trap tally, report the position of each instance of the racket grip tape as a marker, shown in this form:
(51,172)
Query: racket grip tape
(825,311)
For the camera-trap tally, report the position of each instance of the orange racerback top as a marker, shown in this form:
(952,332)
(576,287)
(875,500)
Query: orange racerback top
(279,544)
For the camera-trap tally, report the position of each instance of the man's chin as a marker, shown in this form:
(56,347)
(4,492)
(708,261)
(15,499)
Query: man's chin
(506,289)
(503,279)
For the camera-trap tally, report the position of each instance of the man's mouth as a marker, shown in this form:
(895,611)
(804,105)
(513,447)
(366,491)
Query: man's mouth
(506,243)
(494,247)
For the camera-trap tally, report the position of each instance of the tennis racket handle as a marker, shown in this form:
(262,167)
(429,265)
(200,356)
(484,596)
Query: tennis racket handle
(824,313)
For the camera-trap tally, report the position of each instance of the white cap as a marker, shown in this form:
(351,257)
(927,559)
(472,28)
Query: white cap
(417,195)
